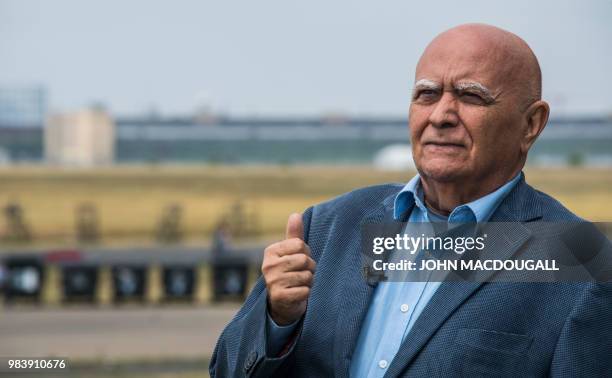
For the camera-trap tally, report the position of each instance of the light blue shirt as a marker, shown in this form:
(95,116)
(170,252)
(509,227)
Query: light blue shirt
(397,305)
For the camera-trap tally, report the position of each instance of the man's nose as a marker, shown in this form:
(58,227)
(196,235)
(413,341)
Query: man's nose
(445,110)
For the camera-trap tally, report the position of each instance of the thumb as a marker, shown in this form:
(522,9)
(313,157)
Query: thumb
(295,227)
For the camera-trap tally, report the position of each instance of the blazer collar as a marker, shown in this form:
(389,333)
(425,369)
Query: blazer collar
(522,204)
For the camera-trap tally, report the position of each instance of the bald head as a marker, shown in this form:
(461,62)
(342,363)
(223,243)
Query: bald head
(508,57)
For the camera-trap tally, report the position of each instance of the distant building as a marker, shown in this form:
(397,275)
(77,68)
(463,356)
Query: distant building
(23,107)
(83,138)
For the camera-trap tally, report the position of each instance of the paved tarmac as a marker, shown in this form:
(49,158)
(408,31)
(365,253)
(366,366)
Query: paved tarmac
(113,333)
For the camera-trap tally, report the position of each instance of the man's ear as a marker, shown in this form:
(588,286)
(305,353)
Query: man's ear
(536,117)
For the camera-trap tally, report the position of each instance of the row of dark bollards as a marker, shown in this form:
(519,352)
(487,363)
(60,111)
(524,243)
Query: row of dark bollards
(32,279)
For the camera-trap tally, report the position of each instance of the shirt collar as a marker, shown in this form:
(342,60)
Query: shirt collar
(479,210)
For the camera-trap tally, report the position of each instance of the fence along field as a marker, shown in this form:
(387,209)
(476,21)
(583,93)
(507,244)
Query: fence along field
(130,202)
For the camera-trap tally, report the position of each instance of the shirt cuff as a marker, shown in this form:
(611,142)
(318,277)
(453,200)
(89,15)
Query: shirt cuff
(278,336)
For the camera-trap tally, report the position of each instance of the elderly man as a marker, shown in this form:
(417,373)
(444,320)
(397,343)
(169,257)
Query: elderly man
(476,110)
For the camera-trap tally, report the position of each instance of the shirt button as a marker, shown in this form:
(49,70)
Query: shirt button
(382,364)
(404,307)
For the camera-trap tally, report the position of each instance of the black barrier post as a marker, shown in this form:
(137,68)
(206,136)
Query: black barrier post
(230,276)
(24,278)
(79,283)
(129,283)
(179,282)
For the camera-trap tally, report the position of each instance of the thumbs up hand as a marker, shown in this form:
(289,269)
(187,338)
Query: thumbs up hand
(288,270)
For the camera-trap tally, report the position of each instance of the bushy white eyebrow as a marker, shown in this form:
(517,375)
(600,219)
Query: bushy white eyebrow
(475,86)
(426,84)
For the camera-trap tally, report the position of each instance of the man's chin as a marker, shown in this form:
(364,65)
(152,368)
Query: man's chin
(447,173)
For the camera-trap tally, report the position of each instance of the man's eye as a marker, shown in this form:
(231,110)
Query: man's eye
(426,94)
(471,97)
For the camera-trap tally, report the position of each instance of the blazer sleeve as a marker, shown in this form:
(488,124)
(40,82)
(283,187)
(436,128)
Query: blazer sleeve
(584,348)
(241,348)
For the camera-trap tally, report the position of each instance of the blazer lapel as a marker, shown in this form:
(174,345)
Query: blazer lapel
(521,205)
(356,292)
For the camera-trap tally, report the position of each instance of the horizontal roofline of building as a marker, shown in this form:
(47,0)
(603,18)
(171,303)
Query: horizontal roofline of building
(311,121)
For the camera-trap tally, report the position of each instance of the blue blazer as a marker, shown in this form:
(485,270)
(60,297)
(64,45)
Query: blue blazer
(468,329)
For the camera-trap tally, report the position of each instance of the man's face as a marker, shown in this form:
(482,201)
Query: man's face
(465,115)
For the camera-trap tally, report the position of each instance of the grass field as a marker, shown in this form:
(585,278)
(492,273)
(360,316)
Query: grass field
(130,200)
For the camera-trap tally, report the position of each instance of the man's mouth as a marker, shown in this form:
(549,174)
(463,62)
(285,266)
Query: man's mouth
(445,144)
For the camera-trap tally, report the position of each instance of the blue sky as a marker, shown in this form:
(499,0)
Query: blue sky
(282,58)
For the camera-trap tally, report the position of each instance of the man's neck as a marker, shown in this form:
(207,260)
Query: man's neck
(443,197)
